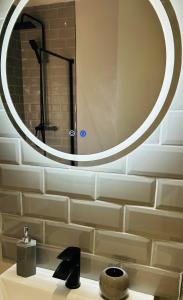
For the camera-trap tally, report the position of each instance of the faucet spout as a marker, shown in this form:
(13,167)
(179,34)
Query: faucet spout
(69,268)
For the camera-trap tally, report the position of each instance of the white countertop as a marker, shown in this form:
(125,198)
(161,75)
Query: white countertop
(43,287)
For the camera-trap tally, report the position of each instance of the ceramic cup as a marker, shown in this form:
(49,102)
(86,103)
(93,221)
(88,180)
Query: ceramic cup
(114,283)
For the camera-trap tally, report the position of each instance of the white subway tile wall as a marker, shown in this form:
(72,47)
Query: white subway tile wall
(46,206)
(70,182)
(168,255)
(154,223)
(66,235)
(117,166)
(170,194)
(123,246)
(132,219)
(31,156)
(10,202)
(21,178)
(171,129)
(13,227)
(6,127)
(154,137)
(97,214)
(118,187)
(10,151)
(156,160)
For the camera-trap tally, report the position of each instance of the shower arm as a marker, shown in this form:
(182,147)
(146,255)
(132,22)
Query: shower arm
(43,38)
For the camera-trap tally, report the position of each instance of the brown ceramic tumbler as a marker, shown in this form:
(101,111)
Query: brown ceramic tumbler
(114,283)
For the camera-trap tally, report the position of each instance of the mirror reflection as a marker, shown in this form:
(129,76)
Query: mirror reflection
(84,75)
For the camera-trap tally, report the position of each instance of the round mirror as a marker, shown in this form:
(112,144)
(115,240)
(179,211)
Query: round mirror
(86,80)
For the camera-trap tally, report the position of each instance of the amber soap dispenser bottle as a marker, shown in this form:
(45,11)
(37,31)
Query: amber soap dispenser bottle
(26,255)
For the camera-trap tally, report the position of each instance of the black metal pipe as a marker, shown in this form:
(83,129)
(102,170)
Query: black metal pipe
(71,60)
(71,105)
(42,95)
(35,47)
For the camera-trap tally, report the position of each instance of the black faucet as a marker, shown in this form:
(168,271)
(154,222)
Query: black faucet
(69,268)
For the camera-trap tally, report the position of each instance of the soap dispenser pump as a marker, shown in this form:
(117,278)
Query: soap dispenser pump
(26,255)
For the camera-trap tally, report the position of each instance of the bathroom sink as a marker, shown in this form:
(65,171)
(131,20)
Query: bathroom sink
(43,287)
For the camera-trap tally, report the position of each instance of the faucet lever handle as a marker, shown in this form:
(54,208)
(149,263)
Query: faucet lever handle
(70,253)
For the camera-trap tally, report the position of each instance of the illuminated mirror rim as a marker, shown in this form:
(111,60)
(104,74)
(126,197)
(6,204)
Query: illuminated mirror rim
(135,137)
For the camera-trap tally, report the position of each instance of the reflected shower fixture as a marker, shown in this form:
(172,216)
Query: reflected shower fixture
(24,25)
(29,25)
(35,47)
(42,55)
(39,53)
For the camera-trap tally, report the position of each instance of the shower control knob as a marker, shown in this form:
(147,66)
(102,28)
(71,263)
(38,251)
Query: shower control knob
(72,133)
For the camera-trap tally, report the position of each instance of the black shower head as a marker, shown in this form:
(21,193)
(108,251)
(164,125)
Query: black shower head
(34,45)
(36,49)
(24,25)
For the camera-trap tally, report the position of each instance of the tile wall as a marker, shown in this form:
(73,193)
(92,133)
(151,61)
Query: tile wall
(14,72)
(128,213)
(24,71)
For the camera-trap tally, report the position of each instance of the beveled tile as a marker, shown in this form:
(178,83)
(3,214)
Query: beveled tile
(117,166)
(123,246)
(97,214)
(153,281)
(145,279)
(172,133)
(66,235)
(22,178)
(93,265)
(154,137)
(10,151)
(156,160)
(70,182)
(45,206)
(13,227)
(9,248)
(177,100)
(31,157)
(155,224)
(170,194)
(6,127)
(10,202)
(126,189)
(168,255)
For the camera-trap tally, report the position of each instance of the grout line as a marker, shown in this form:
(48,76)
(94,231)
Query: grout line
(21,204)
(94,238)
(20,151)
(156,193)
(43,178)
(95,188)
(44,231)
(175,110)
(151,252)
(126,164)
(124,219)
(69,211)
(161,133)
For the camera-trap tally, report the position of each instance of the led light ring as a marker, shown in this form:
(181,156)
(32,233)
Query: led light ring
(120,148)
